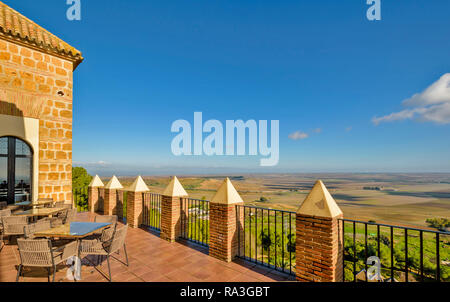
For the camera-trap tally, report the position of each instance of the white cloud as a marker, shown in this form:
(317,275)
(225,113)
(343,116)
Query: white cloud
(348,129)
(431,105)
(317,130)
(298,135)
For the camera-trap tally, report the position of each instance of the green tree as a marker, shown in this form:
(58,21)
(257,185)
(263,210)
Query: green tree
(439,223)
(80,177)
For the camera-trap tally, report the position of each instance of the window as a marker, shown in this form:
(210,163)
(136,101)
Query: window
(16,167)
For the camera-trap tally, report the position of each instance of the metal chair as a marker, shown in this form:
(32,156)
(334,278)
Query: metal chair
(108,247)
(40,253)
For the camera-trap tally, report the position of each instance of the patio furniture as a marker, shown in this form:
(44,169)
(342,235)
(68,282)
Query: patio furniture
(40,253)
(71,215)
(3,205)
(30,229)
(73,230)
(44,202)
(15,208)
(13,225)
(58,204)
(68,206)
(3,213)
(40,203)
(106,248)
(35,213)
(58,219)
(104,218)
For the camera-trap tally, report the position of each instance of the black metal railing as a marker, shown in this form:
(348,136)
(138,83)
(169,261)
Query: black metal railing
(80,198)
(195,220)
(405,254)
(151,211)
(267,237)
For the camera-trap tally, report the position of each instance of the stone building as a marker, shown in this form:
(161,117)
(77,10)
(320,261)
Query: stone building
(36,69)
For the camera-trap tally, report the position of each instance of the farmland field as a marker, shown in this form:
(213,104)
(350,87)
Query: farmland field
(401,199)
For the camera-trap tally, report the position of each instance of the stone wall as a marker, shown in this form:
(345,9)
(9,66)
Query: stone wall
(37,85)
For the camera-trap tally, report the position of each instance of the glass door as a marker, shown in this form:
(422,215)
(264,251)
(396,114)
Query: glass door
(16,169)
(4,169)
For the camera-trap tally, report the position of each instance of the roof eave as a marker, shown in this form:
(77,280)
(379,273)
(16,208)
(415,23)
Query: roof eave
(76,60)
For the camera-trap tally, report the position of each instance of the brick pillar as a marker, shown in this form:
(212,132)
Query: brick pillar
(224,227)
(110,200)
(134,209)
(171,210)
(93,199)
(170,218)
(134,202)
(93,196)
(119,205)
(319,243)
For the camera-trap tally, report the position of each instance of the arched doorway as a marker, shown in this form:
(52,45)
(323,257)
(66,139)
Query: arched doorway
(16,170)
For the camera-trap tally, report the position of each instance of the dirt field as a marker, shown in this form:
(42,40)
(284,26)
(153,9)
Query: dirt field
(406,199)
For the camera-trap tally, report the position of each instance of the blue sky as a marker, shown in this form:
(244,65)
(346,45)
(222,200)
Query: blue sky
(309,64)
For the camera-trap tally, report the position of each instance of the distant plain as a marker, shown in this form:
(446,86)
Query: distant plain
(401,199)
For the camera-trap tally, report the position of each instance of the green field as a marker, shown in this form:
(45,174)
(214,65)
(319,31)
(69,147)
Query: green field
(399,255)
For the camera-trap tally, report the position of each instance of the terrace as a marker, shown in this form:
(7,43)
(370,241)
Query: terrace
(172,237)
(151,259)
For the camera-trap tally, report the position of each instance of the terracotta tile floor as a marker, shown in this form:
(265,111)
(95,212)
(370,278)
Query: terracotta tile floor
(151,259)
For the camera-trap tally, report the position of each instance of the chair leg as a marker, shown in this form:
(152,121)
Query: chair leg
(109,268)
(54,273)
(48,274)
(126,254)
(19,271)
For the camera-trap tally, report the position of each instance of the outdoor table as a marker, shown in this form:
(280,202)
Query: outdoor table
(34,204)
(39,212)
(74,230)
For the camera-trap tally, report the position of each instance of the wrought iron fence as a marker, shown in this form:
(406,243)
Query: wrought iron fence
(195,220)
(151,211)
(80,198)
(405,254)
(267,237)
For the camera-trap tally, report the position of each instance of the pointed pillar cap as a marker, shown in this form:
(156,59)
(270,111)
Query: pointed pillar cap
(227,194)
(319,202)
(138,185)
(96,182)
(114,183)
(175,189)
